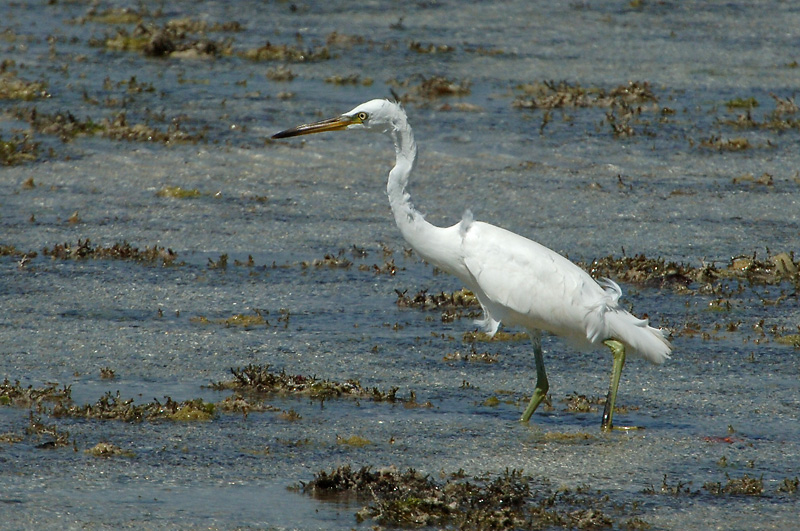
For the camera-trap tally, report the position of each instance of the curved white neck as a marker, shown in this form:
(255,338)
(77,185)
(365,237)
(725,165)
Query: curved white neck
(434,244)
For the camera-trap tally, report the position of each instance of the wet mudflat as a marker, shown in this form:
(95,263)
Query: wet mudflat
(200,327)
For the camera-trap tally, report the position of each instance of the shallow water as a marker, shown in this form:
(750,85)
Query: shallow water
(572,185)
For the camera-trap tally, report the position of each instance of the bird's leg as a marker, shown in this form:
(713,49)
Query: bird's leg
(618,350)
(541,377)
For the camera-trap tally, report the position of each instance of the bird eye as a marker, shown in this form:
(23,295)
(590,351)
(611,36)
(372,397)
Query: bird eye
(362,116)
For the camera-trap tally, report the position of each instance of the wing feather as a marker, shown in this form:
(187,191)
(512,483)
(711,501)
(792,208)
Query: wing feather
(521,282)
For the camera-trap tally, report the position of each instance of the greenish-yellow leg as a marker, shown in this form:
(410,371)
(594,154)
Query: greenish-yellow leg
(618,350)
(541,378)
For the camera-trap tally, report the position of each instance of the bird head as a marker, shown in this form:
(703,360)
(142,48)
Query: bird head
(374,115)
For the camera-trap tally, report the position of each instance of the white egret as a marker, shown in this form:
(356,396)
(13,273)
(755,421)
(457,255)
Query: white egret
(516,280)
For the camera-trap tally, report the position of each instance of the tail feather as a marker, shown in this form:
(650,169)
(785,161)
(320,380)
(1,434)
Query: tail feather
(611,321)
(638,336)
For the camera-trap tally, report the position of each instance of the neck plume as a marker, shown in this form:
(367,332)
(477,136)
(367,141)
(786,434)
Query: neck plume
(406,156)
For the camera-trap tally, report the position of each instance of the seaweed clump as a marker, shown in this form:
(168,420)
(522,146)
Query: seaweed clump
(650,272)
(285,53)
(178,38)
(510,501)
(112,407)
(17,150)
(261,380)
(15,88)
(17,395)
(118,251)
(104,449)
(557,95)
(67,127)
(657,272)
(431,88)
(461,303)
(743,486)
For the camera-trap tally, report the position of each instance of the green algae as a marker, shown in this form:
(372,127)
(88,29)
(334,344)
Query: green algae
(176,192)
(354,441)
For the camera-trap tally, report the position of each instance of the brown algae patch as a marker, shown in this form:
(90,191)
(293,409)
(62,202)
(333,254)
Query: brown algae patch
(67,127)
(112,407)
(178,38)
(285,53)
(104,449)
(471,357)
(354,441)
(718,143)
(625,103)
(15,88)
(743,486)
(782,117)
(555,95)
(261,380)
(656,272)
(176,192)
(26,397)
(118,251)
(330,261)
(51,436)
(244,321)
(461,303)
(410,499)
(18,149)
(746,485)
(423,89)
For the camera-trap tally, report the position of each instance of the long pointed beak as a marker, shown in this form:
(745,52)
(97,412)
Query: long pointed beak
(331,124)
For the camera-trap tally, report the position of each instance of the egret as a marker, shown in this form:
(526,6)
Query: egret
(516,280)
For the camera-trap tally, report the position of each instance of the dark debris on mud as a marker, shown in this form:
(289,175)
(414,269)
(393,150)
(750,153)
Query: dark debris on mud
(410,499)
